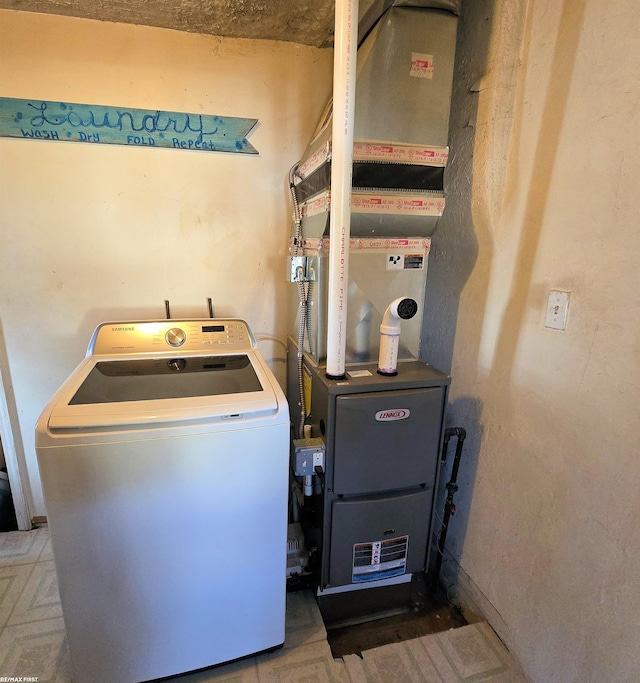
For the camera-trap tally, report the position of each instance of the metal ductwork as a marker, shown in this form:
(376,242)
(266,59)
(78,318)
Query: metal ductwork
(404,77)
(370,11)
(403,94)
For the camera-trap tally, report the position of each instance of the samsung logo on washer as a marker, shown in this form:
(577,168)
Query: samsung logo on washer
(392,415)
(123,329)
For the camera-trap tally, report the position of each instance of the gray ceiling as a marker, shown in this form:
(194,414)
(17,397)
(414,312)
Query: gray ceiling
(308,23)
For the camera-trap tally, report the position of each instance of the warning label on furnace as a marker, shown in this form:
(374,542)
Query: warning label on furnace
(379,559)
(405,261)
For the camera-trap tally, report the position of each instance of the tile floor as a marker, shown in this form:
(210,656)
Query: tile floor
(33,643)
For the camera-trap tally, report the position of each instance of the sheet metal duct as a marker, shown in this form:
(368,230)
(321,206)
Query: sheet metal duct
(403,94)
(372,10)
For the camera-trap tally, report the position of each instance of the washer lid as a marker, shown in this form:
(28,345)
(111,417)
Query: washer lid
(149,379)
(137,391)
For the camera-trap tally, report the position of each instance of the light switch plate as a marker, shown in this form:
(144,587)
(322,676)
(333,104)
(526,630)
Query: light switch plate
(557,310)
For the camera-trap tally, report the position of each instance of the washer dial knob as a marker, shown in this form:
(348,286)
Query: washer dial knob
(176,337)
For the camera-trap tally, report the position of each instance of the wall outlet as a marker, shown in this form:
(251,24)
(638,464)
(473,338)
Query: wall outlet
(307,455)
(557,310)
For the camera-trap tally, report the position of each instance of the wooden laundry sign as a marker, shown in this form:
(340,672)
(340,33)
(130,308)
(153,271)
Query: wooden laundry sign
(44,120)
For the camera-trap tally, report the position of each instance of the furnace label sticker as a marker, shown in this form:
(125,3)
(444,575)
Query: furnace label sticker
(380,559)
(421,65)
(413,261)
(405,261)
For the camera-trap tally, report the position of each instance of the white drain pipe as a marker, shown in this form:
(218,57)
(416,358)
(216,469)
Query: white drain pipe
(400,309)
(344,81)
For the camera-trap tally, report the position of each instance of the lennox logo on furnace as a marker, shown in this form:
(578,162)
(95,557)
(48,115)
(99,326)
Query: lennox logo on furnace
(392,414)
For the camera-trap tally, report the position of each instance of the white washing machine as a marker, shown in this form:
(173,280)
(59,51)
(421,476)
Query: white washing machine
(164,464)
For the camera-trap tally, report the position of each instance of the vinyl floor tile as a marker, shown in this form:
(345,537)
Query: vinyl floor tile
(404,662)
(311,663)
(470,653)
(47,553)
(39,599)
(244,671)
(12,583)
(22,547)
(36,649)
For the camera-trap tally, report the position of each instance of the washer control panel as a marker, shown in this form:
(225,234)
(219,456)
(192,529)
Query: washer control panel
(206,335)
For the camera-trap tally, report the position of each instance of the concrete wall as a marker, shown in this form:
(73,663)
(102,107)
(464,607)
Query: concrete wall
(90,233)
(542,195)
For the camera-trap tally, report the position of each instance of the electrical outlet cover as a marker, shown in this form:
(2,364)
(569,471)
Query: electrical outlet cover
(557,310)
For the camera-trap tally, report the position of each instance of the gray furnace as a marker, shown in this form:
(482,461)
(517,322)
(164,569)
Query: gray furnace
(369,520)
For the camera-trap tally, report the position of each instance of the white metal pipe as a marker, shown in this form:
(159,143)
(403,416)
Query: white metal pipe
(344,78)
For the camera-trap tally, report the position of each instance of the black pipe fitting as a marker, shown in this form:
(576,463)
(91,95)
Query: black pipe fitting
(452,486)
